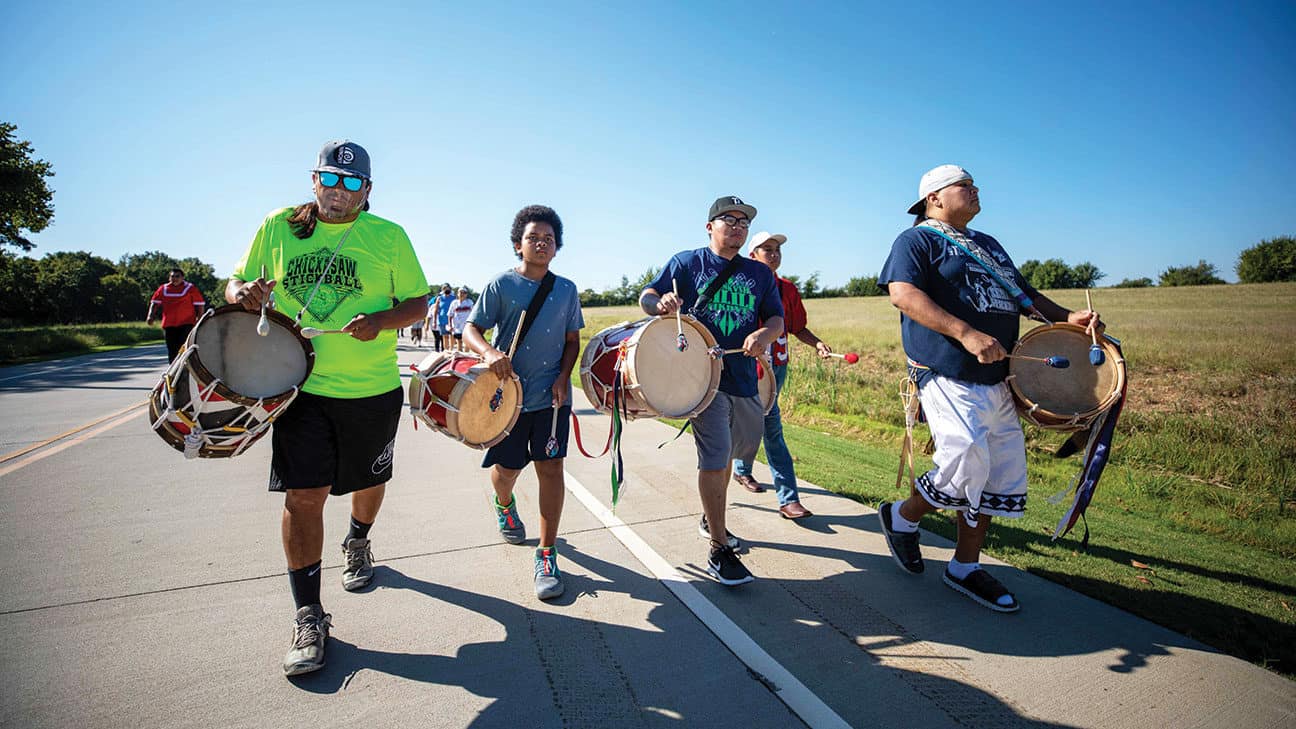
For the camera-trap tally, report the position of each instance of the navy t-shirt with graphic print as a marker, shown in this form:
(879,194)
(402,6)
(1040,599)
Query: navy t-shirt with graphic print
(747,298)
(961,286)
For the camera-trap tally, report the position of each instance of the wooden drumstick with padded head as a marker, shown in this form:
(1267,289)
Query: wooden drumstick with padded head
(498,397)
(681,343)
(1096,356)
(263,326)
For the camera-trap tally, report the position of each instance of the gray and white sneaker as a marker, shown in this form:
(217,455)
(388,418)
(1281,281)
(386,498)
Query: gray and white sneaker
(548,580)
(309,634)
(359,564)
(705,532)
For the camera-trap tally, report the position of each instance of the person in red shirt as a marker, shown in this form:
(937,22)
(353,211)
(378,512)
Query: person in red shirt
(181,303)
(768,249)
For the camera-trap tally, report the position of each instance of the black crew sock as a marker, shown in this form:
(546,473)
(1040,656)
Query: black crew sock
(358,530)
(305,585)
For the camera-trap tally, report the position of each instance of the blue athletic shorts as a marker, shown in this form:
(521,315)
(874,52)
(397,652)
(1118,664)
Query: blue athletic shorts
(529,438)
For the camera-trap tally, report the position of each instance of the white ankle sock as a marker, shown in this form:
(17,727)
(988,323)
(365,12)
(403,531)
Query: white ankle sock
(962,569)
(899,523)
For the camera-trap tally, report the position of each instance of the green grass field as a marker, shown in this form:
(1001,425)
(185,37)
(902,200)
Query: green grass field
(32,344)
(1194,523)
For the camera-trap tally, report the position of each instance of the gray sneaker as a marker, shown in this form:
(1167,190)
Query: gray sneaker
(510,524)
(309,634)
(359,564)
(548,580)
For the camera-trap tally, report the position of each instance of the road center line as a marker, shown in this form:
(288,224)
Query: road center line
(812,710)
(122,416)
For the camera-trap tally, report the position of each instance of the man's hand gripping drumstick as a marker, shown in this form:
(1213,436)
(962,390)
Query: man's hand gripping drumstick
(251,295)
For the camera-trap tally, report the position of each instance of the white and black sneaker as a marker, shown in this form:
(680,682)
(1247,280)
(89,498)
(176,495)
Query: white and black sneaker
(705,532)
(903,545)
(982,587)
(724,565)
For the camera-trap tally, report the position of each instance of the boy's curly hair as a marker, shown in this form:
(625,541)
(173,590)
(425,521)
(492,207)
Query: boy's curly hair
(536,214)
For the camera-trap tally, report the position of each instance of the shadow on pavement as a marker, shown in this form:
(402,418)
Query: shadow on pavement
(585,683)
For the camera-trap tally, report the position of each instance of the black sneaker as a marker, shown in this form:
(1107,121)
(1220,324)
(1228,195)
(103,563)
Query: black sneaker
(725,566)
(903,545)
(309,634)
(984,588)
(705,532)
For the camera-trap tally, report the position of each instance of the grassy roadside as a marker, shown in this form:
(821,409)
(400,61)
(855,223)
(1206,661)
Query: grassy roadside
(21,345)
(1193,526)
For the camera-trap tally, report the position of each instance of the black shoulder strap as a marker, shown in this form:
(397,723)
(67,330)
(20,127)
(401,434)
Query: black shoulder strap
(537,301)
(716,283)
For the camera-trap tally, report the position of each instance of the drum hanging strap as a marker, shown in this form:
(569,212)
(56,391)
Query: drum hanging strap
(577,432)
(1024,301)
(725,274)
(537,301)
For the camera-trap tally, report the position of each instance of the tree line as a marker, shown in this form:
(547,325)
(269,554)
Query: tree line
(76,287)
(79,287)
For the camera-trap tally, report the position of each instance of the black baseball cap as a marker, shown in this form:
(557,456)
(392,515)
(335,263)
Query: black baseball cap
(729,203)
(344,157)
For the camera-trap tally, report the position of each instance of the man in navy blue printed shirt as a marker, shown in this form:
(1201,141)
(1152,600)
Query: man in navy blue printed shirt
(745,313)
(958,321)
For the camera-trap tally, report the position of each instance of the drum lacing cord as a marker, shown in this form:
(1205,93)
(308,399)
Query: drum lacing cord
(190,415)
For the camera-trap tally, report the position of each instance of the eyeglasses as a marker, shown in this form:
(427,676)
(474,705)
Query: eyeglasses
(733,222)
(330,179)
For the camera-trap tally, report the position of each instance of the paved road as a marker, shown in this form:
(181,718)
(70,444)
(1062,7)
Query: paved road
(143,590)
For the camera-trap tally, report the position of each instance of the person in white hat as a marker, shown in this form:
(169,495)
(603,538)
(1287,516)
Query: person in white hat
(768,249)
(960,299)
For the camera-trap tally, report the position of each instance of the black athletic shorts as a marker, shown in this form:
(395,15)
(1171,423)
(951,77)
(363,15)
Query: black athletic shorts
(529,438)
(331,441)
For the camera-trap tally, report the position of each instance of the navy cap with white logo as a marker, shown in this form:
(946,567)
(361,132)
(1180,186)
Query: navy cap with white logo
(730,203)
(345,158)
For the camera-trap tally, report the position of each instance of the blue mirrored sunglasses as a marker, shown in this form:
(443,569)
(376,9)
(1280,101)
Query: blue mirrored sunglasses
(330,179)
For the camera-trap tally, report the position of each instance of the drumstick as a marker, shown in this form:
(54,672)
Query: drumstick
(850,357)
(551,448)
(680,342)
(263,326)
(1096,356)
(498,397)
(1056,360)
(312,332)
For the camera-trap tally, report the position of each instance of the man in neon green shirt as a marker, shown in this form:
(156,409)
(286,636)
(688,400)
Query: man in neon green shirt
(332,265)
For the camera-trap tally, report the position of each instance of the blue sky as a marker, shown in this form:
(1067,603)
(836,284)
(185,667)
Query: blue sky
(1133,135)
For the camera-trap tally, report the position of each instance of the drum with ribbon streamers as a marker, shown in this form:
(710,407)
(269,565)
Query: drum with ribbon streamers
(228,384)
(455,393)
(639,368)
(1071,398)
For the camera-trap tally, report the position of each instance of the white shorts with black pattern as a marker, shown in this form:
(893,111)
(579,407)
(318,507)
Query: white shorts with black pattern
(980,458)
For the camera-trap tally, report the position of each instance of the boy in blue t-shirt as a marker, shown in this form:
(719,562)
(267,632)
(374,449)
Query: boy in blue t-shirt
(745,312)
(544,360)
(958,322)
